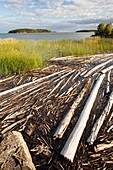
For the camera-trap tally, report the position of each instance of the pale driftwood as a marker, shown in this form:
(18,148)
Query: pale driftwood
(101,57)
(106,69)
(28,84)
(5,100)
(76,76)
(69,73)
(108,82)
(64,86)
(6,79)
(15,124)
(70,89)
(100,121)
(71,145)
(72,86)
(101,147)
(65,75)
(56,87)
(30,91)
(15,153)
(62,58)
(97,72)
(110,128)
(12,115)
(49,67)
(97,67)
(16,106)
(83,72)
(57,78)
(109,162)
(24,94)
(111,116)
(61,81)
(65,122)
(95,155)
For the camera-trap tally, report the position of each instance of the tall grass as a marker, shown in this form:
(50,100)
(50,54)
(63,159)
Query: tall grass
(18,57)
(21,56)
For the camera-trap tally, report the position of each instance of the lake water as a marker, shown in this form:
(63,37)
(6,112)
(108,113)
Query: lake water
(49,36)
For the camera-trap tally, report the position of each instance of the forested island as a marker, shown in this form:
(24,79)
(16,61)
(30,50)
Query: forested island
(28,30)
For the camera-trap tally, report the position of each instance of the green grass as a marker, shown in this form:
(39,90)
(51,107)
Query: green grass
(21,56)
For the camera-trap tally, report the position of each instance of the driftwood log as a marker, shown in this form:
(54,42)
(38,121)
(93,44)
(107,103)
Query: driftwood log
(100,120)
(97,67)
(103,146)
(65,122)
(71,145)
(36,102)
(108,82)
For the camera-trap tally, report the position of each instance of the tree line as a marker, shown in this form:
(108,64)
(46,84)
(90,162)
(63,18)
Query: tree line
(104,30)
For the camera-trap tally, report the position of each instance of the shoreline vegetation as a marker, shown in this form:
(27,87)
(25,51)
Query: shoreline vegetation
(86,31)
(21,56)
(104,30)
(28,30)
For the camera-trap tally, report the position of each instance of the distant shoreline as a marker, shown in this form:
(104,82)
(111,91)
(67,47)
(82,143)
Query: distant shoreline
(29,30)
(86,31)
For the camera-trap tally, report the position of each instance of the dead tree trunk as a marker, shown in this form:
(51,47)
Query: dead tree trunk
(71,145)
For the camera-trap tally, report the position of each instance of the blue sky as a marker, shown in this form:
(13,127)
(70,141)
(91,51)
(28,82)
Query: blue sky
(56,15)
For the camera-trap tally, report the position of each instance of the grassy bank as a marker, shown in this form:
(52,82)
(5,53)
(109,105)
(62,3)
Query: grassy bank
(20,56)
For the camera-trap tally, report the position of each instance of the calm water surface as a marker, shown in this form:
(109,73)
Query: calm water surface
(49,36)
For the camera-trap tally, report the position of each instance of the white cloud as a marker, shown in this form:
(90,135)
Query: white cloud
(67,15)
(14,1)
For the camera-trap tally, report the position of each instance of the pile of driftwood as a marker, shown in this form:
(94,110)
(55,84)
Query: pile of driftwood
(60,117)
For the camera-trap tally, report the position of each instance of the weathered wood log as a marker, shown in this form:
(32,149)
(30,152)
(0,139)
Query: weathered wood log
(7,99)
(68,74)
(108,82)
(61,81)
(14,124)
(97,67)
(74,84)
(49,67)
(83,72)
(14,115)
(66,83)
(65,122)
(100,121)
(56,87)
(95,155)
(18,88)
(101,57)
(7,79)
(111,116)
(110,128)
(62,58)
(15,153)
(106,69)
(103,146)
(69,82)
(71,145)
(71,88)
